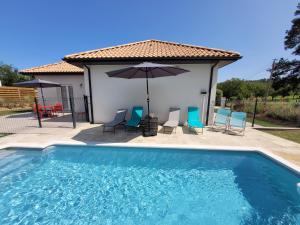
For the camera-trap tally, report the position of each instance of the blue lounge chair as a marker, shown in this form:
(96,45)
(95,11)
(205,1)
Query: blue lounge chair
(193,118)
(136,117)
(237,122)
(221,118)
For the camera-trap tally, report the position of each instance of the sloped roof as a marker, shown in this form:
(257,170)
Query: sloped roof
(55,68)
(153,49)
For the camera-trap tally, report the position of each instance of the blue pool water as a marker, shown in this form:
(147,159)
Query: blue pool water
(106,185)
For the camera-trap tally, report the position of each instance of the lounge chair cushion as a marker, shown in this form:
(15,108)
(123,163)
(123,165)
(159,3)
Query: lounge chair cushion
(119,118)
(173,121)
(170,123)
(193,118)
(222,116)
(132,123)
(238,119)
(136,117)
(111,124)
(220,122)
(195,124)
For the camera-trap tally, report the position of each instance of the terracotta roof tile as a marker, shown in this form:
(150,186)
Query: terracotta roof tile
(60,67)
(153,49)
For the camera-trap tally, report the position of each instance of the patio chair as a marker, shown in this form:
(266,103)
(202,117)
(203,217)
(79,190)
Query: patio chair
(58,108)
(193,118)
(44,111)
(221,118)
(237,122)
(136,117)
(118,120)
(173,120)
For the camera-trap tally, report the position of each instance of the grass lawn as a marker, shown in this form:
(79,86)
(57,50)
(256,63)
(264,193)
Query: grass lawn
(292,135)
(264,123)
(13,111)
(268,122)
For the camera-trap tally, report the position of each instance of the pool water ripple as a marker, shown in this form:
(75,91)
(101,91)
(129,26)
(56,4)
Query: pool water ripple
(105,185)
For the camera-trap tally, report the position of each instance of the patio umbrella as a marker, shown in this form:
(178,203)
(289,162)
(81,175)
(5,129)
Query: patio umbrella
(147,70)
(37,83)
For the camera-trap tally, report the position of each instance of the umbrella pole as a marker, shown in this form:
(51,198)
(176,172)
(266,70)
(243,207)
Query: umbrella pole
(43,96)
(148,100)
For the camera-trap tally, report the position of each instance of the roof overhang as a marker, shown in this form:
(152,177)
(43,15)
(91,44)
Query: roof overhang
(130,61)
(59,68)
(51,73)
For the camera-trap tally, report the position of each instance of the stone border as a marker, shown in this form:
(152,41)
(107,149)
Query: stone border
(277,159)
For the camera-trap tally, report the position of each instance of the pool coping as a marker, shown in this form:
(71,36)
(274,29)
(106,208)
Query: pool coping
(262,151)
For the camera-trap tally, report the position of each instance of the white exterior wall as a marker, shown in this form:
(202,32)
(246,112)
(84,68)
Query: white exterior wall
(76,81)
(213,94)
(110,94)
(53,95)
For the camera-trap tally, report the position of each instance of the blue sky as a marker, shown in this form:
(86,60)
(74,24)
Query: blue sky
(35,32)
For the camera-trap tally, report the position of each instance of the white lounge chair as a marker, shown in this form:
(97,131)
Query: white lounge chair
(173,121)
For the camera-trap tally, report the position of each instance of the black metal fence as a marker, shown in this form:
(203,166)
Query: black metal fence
(20,116)
(278,112)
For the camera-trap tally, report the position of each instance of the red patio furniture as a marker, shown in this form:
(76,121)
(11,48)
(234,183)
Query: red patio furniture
(44,111)
(58,107)
(38,109)
(48,110)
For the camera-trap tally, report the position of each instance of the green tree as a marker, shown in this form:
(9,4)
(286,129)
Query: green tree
(292,38)
(240,89)
(286,77)
(286,73)
(272,93)
(10,75)
(257,88)
(219,95)
(234,88)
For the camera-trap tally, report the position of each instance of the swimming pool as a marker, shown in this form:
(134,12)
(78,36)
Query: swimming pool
(115,185)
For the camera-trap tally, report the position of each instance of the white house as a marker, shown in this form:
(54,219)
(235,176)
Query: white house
(86,73)
(195,88)
(63,73)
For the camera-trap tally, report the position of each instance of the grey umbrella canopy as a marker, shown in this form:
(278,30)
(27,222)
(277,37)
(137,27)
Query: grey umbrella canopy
(37,83)
(147,70)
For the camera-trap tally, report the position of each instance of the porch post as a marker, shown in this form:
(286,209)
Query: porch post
(209,91)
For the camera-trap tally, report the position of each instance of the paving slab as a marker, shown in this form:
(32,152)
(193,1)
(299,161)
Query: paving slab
(87,133)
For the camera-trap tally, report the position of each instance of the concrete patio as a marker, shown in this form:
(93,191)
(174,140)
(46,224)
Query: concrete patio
(27,122)
(86,133)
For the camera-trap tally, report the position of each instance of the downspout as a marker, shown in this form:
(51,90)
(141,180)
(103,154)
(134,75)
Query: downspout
(209,90)
(90,92)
